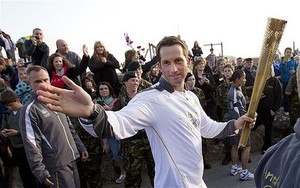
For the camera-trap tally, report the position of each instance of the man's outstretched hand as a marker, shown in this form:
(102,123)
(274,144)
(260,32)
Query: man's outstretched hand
(75,102)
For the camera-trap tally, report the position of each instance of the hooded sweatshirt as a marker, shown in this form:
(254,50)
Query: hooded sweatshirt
(279,167)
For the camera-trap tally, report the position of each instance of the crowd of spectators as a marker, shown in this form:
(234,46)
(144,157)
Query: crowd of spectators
(112,85)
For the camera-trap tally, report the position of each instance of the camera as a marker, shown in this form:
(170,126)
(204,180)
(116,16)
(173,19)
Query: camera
(23,64)
(101,102)
(6,131)
(27,63)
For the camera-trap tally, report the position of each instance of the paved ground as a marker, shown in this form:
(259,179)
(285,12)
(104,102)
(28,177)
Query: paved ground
(219,177)
(216,177)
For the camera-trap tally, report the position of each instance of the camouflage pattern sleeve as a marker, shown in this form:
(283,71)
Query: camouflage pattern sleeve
(221,94)
(200,94)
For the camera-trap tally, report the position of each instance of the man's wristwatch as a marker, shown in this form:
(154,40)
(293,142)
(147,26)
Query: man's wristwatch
(96,111)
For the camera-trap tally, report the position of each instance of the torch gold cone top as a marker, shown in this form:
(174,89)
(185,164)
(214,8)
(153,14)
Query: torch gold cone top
(273,34)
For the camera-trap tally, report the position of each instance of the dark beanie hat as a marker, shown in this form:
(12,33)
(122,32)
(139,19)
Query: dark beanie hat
(132,66)
(189,74)
(128,75)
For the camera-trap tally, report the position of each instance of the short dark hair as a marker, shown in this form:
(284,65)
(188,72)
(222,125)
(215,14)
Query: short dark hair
(249,59)
(237,74)
(36,29)
(8,97)
(288,48)
(170,41)
(35,68)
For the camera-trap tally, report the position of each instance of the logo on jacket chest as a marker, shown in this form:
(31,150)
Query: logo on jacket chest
(45,112)
(191,119)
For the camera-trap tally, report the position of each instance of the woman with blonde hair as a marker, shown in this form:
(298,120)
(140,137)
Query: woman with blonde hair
(218,76)
(206,82)
(103,64)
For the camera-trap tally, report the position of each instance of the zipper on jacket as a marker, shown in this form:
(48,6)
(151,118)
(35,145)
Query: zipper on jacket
(66,135)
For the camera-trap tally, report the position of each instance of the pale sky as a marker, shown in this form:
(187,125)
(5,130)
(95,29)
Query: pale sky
(240,25)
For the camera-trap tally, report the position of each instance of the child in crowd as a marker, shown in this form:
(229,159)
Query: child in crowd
(221,96)
(10,130)
(23,89)
(236,109)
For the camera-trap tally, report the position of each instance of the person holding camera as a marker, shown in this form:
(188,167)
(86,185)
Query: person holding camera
(37,49)
(205,81)
(287,67)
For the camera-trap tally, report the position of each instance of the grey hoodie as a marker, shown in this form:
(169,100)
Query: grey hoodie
(280,165)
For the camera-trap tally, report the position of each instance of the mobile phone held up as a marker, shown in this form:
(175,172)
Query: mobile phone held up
(286,56)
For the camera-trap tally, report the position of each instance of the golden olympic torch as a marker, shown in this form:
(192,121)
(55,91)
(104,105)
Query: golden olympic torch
(274,31)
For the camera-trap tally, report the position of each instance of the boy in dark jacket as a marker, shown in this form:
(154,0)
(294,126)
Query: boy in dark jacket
(269,104)
(10,130)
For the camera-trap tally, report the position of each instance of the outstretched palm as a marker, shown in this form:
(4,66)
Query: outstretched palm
(75,102)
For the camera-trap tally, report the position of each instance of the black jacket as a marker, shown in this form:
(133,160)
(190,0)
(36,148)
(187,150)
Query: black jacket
(271,96)
(105,71)
(39,53)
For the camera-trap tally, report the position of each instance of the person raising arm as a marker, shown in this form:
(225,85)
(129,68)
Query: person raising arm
(165,103)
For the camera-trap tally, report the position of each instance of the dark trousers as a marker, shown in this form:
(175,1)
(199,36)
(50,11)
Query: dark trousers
(227,145)
(211,110)
(9,164)
(265,118)
(285,99)
(28,179)
(2,185)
